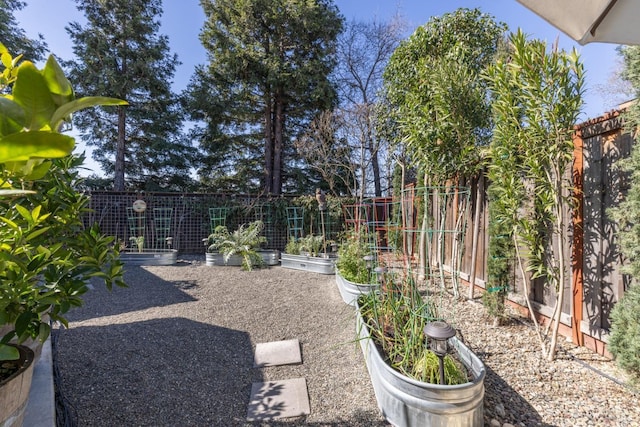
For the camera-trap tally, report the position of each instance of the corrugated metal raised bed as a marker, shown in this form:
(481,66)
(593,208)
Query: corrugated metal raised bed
(160,257)
(308,263)
(270,257)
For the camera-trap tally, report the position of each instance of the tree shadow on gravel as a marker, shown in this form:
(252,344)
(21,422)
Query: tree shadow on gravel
(158,372)
(516,408)
(145,290)
(358,419)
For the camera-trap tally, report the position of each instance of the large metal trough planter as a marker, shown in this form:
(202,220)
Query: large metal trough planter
(270,257)
(308,263)
(406,402)
(350,291)
(157,257)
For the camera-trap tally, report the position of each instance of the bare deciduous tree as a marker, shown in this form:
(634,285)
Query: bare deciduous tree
(363,52)
(324,148)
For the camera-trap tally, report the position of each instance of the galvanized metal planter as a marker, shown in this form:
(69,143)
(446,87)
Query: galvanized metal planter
(157,257)
(350,291)
(308,263)
(407,402)
(270,257)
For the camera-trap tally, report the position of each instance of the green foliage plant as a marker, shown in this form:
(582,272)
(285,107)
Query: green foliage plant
(47,255)
(243,242)
(351,263)
(439,102)
(624,341)
(293,246)
(396,318)
(311,244)
(37,105)
(138,241)
(501,252)
(537,97)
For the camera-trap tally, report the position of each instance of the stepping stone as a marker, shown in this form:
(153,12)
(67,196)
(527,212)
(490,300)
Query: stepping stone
(278,399)
(277,353)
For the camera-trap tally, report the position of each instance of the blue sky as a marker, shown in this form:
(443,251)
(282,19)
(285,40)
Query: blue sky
(183,19)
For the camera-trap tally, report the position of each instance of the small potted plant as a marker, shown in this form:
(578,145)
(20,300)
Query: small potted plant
(240,247)
(46,253)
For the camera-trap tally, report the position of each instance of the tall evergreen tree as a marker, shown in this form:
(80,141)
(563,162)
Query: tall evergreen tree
(14,38)
(120,53)
(267,75)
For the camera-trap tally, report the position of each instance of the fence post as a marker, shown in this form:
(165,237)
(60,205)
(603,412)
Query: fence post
(577,255)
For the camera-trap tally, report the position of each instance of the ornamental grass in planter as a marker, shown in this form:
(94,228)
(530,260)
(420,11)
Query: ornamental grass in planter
(404,372)
(396,319)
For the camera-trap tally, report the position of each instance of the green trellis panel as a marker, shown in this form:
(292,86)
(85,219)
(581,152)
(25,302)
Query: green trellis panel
(295,221)
(162,218)
(218,216)
(136,222)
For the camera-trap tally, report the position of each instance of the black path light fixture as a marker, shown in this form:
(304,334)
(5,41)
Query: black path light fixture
(439,333)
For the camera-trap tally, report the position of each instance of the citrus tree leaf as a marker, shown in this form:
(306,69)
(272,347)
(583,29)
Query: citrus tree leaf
(32,93)
(25,145)
(67,109)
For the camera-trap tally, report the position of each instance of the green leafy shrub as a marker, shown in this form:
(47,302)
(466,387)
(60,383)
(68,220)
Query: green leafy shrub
(624,342)
(351,263)
(501,253)
(47,255)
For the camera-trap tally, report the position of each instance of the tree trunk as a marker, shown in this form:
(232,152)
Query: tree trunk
(276,180)
(118,179)
(476,232)
(268,144)
(375,168)
(560,257)
(424,245)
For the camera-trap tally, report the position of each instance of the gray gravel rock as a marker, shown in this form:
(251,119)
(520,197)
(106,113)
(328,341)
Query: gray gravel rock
(176,349)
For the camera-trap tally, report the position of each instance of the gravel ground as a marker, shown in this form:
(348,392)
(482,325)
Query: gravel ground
(176,349)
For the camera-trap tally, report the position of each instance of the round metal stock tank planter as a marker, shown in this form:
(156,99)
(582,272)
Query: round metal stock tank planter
(270,257)
(216,258)
(161,257)
(14,391)
(322,265)
(350,291)
(410,403)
